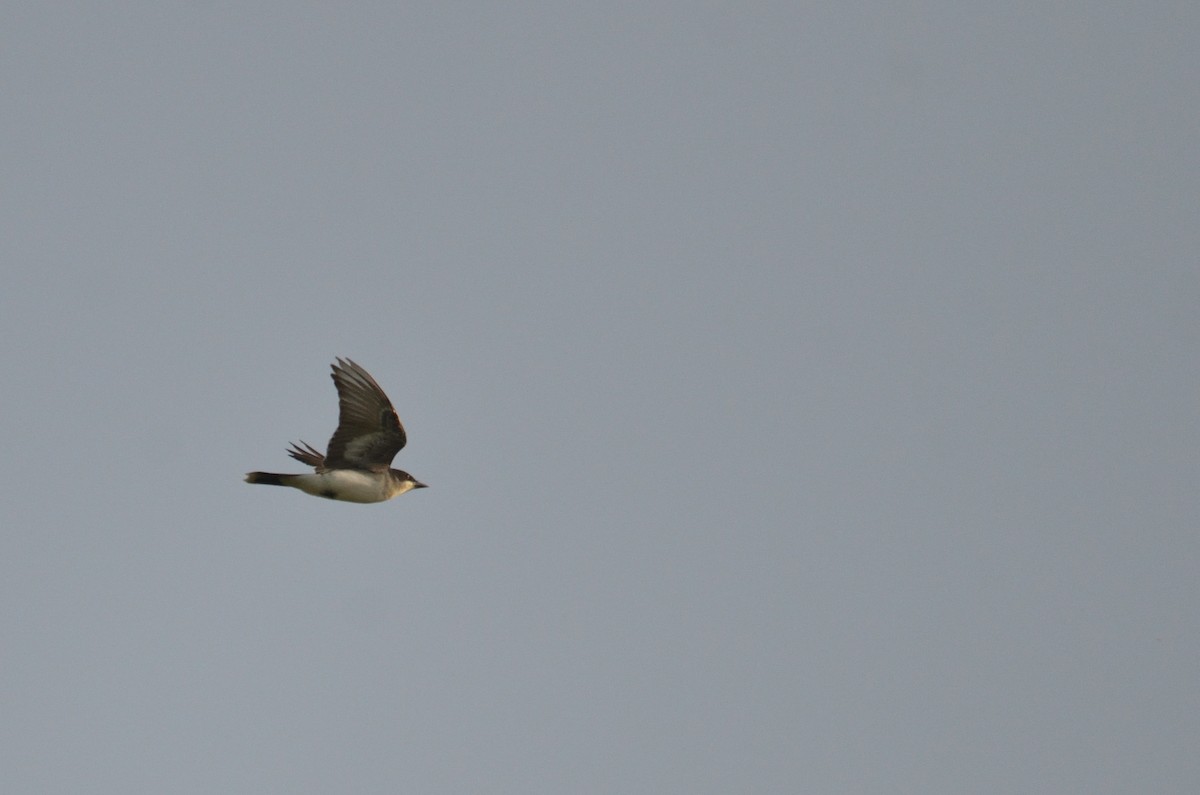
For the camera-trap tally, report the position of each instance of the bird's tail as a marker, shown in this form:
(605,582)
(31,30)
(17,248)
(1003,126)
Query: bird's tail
(268,478)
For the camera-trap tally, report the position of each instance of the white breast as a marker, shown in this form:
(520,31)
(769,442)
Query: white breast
(350,485)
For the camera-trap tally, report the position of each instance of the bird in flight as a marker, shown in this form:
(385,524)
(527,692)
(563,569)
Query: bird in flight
(356,466)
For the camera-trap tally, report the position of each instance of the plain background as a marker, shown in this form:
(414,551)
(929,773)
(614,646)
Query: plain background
(807,394)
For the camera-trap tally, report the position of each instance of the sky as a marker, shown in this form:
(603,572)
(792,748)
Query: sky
(807,395)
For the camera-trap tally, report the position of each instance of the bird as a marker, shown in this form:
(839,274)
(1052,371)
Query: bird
(356,466)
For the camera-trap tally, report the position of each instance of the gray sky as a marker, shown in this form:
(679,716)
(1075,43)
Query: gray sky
(807,395)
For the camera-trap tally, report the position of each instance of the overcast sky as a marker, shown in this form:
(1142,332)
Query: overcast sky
(807,395)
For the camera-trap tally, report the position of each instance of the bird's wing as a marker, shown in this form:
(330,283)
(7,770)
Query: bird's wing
(369,433)
(307,455)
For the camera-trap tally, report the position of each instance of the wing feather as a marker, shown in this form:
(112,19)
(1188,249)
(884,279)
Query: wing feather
(307,455)
(369,433)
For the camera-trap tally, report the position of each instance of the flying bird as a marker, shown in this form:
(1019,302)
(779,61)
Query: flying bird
(357,463)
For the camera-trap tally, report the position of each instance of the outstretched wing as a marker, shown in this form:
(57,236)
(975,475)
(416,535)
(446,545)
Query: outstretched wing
(307,455)
(369,433)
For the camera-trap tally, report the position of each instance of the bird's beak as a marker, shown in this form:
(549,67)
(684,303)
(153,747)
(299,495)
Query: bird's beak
(419,485)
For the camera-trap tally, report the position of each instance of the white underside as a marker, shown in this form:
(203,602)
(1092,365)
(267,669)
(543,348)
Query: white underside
(349,485)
